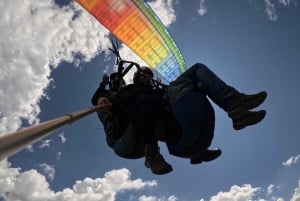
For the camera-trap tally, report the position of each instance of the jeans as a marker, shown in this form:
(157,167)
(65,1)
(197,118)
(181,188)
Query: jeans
(199,77)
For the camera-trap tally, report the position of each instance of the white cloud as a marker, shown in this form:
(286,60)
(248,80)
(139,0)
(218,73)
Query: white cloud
(270,189)
(62,138)
(34,36)
(296,195)
(58,155)
(172,198)
(29,185)
(154,198)
(271,7)
(291,161)
(288,2)
(32,186)
(247,192)
(236,193)
(45,143)
(7,177)
(49,170)
(202,9)
(270,10)
(29,148)
(147,198)
(164,10)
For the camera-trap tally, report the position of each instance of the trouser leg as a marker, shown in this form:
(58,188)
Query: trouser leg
(147,107)
(209,83)
(236,104)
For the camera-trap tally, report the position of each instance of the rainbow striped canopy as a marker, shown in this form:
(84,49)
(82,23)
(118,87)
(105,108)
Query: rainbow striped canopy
(135,24)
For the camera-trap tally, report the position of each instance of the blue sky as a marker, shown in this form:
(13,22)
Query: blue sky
(51,63)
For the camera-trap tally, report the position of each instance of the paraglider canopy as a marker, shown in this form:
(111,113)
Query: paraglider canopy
(135,24)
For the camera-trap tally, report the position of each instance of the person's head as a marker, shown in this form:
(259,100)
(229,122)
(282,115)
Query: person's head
(143,75)
(116,82)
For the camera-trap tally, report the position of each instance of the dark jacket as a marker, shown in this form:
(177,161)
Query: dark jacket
(119,132)
(120,123)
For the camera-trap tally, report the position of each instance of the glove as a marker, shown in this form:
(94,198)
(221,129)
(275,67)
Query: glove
(105,80)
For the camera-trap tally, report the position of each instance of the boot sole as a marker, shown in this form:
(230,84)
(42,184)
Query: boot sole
(200,159)
(162,172)
(253,118)
(248,106)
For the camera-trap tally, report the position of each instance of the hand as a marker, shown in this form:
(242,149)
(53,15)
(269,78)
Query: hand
(105,104)
(105,79)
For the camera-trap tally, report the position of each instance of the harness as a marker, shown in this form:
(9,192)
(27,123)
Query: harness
(115,125)
(124,67)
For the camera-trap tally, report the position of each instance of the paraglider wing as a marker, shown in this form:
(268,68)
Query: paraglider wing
(136,25)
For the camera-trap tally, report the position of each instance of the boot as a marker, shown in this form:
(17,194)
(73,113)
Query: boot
(238,109)
(240,102)
(155,161)
(247,118)
(208,155)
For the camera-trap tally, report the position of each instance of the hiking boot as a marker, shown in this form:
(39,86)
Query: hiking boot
(247,118)
(155,161)
(208,155)
(240,102)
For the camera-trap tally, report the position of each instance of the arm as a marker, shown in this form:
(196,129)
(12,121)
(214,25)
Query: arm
(101,91)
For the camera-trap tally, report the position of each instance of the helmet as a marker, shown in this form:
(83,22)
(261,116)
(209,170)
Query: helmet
(116,82)
(144,71)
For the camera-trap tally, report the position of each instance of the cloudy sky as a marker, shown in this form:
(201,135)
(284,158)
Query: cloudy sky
(53,55)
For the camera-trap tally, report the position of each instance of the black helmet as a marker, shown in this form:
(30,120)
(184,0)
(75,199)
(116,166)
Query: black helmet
(116,82)
(144,71)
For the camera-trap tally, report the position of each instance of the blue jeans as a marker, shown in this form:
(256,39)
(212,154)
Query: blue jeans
(200,78)
(188,96)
